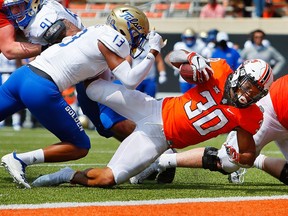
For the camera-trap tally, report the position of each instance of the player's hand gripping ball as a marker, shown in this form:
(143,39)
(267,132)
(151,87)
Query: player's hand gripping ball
(201,70)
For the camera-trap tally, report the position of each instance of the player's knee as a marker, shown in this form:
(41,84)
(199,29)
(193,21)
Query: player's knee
(123,128)
(83,152)
(284,174)
(210,160)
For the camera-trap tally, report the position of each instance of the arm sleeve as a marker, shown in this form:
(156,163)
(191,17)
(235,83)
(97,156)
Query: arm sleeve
(131,78)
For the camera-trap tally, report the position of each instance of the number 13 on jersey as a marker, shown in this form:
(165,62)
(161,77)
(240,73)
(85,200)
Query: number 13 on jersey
(118,40)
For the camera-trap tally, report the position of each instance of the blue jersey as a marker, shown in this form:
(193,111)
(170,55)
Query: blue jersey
(231,56)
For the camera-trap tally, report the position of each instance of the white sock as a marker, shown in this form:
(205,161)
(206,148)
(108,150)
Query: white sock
(16,119)
(32,157)
(167,160)
(258,163)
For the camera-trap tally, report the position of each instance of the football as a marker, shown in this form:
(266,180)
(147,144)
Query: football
(186,72)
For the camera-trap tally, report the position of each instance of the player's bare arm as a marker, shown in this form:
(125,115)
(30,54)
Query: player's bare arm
(112,59)
(13,49)
(247,149)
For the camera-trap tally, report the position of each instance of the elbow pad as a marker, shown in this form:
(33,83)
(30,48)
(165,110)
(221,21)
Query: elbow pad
(55,33)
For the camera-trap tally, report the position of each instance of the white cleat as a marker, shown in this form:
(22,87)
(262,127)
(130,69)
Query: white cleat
(62,176)
(237,177)
(16,168)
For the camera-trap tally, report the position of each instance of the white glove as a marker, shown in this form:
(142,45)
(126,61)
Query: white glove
(162,77)
(155,41)
(176,72)
(201,68)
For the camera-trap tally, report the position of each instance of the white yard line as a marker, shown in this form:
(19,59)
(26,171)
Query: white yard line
(143,202)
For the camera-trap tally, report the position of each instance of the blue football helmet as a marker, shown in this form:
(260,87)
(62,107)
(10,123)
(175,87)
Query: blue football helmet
(21,11)
(189,37)
(211,35)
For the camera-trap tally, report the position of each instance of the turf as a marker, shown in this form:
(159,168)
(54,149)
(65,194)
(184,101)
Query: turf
(188,183)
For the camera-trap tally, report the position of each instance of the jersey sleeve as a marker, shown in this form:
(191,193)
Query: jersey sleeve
(250,119)
(116,42)
(3,20)
(39,25)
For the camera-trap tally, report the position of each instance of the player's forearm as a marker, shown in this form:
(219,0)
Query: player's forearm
(131,78)
(21,50)
(247,159)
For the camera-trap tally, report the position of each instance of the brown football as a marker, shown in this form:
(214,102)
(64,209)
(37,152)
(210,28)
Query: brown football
(186,72)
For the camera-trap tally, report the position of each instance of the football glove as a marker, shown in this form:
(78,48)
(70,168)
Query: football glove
(155,41)
(201,68)
(232,154)
(162,77)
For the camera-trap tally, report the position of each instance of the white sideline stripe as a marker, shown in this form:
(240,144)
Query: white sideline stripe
(144,202)
(64,165)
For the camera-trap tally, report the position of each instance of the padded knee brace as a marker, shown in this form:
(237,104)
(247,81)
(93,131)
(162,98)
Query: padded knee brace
(210,160)
(284,174)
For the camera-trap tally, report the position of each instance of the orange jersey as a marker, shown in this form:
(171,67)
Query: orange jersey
(199,115)
(279,99)
(3,19)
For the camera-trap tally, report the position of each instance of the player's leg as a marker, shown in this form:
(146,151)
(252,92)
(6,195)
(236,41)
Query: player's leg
(276,167)
(133,105)
(91,110)
(115,123)
(134,154)
(64,124)
(10,103)
(46,103)
(16,117)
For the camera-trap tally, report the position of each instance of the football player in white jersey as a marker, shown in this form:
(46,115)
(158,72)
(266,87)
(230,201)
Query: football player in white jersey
(42,22)
(92,51)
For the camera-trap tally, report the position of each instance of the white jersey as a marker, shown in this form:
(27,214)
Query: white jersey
(153,70)
(50,12)
(6,65)
(78,57)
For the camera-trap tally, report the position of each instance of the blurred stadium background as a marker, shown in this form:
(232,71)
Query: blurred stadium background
(170,18)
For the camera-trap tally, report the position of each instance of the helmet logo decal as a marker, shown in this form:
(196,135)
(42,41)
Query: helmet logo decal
(131,19)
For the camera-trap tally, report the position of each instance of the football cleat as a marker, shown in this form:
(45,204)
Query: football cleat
(139,178)
(237,177)
(62,176)
(16,168)
(166,176)
(157,172)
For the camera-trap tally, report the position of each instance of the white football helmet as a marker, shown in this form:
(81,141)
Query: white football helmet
(133,24)
(21,11)
(249,83)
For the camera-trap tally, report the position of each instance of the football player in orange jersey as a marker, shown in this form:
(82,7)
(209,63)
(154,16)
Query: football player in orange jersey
(223,100)
(274,128)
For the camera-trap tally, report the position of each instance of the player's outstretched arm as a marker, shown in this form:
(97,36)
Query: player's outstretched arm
(16,50)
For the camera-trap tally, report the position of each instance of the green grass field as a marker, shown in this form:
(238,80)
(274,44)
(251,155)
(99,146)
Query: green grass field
(188,183)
